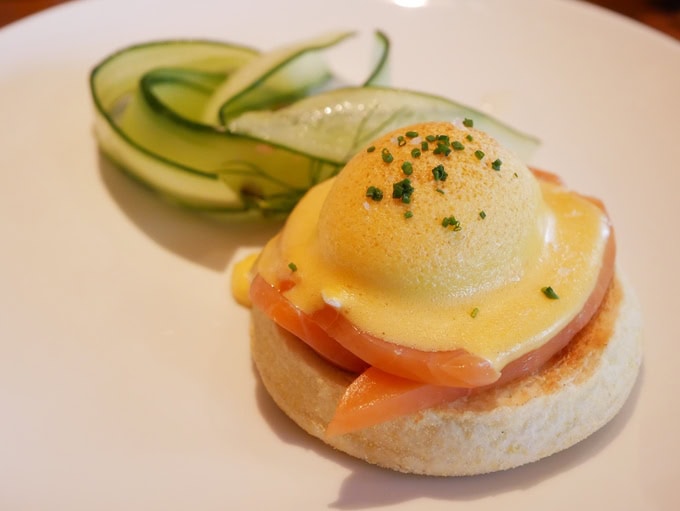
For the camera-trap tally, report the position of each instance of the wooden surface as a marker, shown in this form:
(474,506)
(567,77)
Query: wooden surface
(663,15)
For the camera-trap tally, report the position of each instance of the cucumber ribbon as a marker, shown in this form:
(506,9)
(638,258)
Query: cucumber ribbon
(226,128)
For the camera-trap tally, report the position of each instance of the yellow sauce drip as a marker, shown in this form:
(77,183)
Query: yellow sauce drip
(240,279)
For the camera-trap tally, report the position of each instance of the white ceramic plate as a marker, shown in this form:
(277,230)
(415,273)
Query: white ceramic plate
(125,379)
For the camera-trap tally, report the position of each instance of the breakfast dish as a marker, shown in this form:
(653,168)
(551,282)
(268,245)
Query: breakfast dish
(463,312)
(163,409)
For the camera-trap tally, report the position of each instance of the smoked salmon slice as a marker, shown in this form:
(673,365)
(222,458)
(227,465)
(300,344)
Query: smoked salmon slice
(376,396)
(268,298)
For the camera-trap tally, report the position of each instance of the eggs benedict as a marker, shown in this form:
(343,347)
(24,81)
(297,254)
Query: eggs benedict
(440,308)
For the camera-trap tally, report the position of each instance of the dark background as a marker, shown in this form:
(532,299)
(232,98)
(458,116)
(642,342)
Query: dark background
(663,15)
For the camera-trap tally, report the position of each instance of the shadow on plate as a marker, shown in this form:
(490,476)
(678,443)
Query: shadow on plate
(207,240)
(369,486)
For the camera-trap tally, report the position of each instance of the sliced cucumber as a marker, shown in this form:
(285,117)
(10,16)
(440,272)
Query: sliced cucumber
(247,167)
(334,125)
(381,54)
(120,73)
(193,164)
(280,75)
(151,100)
(181,91)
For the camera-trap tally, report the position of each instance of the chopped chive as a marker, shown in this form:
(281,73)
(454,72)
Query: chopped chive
(401,141)
(549,292)
(430,138)
(387,156)
(468,123)
(415,153)
(439,190)
(450,221)
(407,168)
(424,145)
(370,149)
(403,190)
(411,134)
(469,137)
(457,145)
(479,154)
(439,173)
(496,164)
(474,312)
(442,148)
(374,193)
(292,266)
(408,214)
(482,214)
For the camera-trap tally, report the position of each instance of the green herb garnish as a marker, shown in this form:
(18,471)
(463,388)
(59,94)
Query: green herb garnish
(415,153)
(439,173)
(370,149)
(292,266)
(450,221)
(474,312)
(442,148)
(479,154)
(550,293)
(482,214)
(403,190)
(408,214)
(411,134)
(401,141)
(374,193)
(468,123)
(407,168)
(457,146)
(387,156)
(496,164)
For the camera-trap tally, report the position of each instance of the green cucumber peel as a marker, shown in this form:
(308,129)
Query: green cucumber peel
(150,103)
(285,73)
(334,125)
